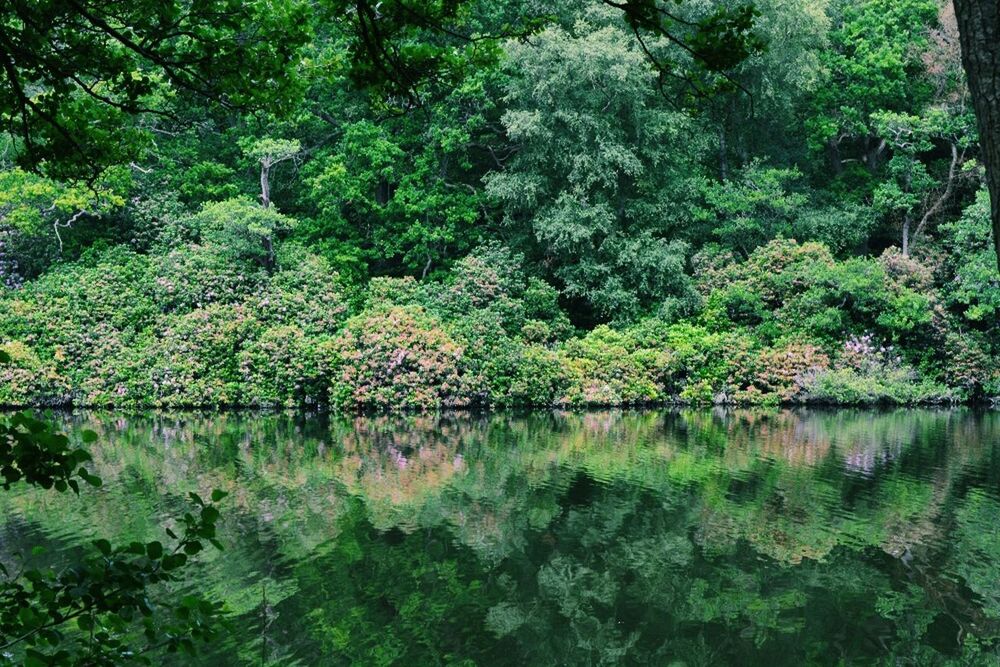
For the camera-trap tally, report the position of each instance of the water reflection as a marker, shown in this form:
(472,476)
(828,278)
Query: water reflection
(690,537)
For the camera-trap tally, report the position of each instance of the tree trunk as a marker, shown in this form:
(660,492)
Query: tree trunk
(873,153)
(979,32)
(265,183)
(906,235)
(833,154)
(723,154)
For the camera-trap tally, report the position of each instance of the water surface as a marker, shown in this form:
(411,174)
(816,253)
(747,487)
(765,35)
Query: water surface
(640,538)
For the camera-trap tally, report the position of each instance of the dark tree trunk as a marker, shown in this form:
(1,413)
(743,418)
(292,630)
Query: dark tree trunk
(979,30)
(723,154)
(833,154)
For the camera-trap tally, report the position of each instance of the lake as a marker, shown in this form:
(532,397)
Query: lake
(692,537)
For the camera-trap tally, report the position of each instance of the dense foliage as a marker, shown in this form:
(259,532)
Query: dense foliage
(111,606)
(589,216)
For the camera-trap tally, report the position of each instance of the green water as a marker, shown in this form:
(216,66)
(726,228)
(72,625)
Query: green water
(641,538)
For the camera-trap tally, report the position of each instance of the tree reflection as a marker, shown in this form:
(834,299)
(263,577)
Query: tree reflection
(701,537)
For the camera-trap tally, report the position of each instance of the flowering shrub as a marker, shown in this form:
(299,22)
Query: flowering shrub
(704,366)
(285,367)
(787,289)
(491,279)
(193,359)
(541,378)
(195,276)
(112,369)
(603,370)
(969,365)
(195,326)
(306,293)
(865,373)
(399,357)
(27,380)
(782,371)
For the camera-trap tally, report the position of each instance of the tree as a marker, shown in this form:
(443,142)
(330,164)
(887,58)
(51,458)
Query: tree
(75,72)
(603,172)
(871,67)
(243,231)
(754,207)
(979,28)
(397,46)
(268,153)
(911,193)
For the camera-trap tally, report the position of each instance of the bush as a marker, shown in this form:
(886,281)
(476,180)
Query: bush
(194,359)
(243,231)
(704,366)
(195,276)
(605,368)
(399,357)
(782,371)
(27,380)
(869,373)
(306,292)
(974,290)
(285,367)
(541,378)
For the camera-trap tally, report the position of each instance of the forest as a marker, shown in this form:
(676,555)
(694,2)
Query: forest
(499,332)
(555,210)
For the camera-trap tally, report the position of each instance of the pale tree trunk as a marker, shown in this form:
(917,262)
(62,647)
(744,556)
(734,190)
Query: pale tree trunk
(979,32)
(265,183)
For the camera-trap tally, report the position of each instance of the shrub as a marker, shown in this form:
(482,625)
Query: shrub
(704,366)
(974,290)
(194,276)
(114,370)
(285,367)
(604,368)
(782,371)
(969,365)
(541,378)
(491,279)
(399,357)
(194,358)
(846,386)
(868,373)
(306,292)
(27,380)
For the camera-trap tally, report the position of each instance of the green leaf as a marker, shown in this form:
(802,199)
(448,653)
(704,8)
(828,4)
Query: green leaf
(154,550)
(174,561)
(103,546)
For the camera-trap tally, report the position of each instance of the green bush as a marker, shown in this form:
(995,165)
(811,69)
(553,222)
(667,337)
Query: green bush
(286,367)
(605,368)
(195,276)
(869,373)
(399,357)
(193,359)
(540,379)
(27,380)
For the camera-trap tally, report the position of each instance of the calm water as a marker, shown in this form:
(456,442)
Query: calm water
(641,538)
